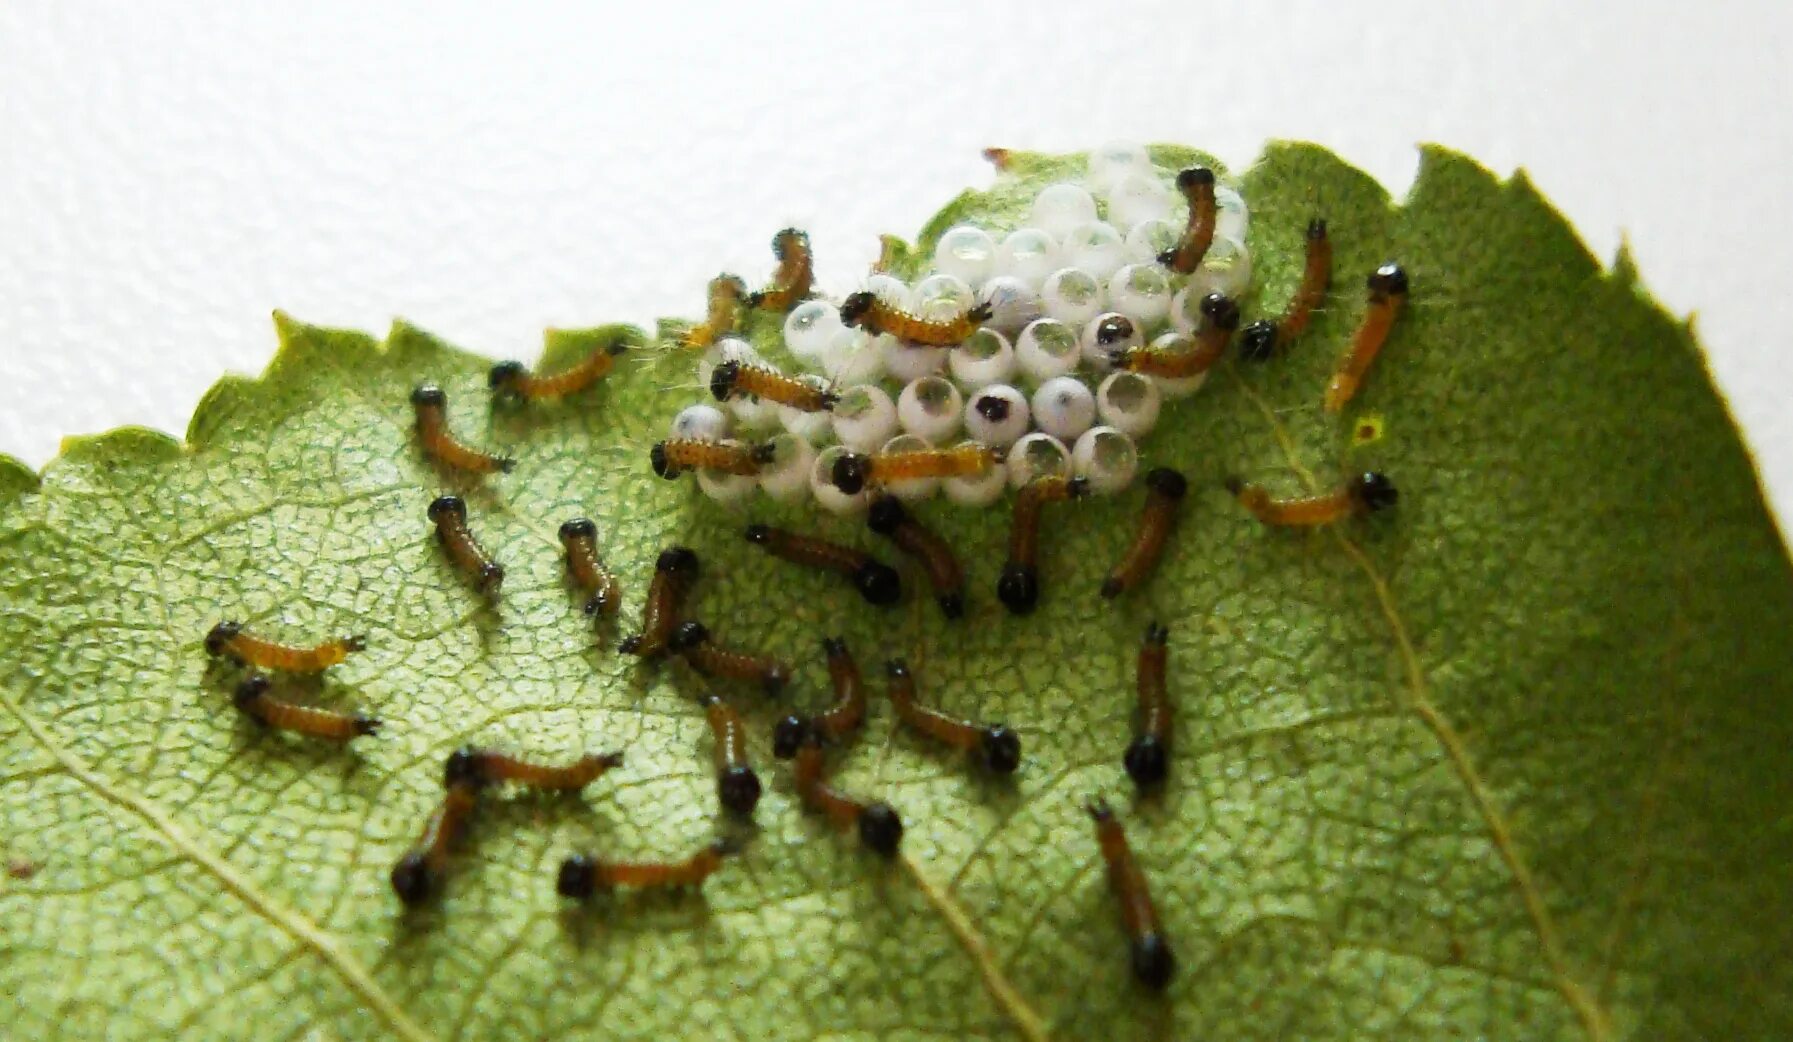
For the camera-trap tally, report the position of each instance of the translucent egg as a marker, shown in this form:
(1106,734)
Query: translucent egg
(864,418)
(1231,218)
(967,252)
(1045,349)
(809,327)
(813,427)
(1036,456)
(1149,238)
(1113,163)
(941,296)
(1105,336)
(1072,296)
(1095,247)
(1107,457)
(821,485)
(930,408)
(699,422)
(913,488)
(787,475)
(1129,402)
(1063,407)
(1225,269)
(889,289)
(1179,387)
(1060,207)
(1141,292)
(906,362)
(725,488)
(1013,303)
(853,358)
(726,349)
(986,357)
(997,415)
(1028,254)
(1140,196)
(978,490)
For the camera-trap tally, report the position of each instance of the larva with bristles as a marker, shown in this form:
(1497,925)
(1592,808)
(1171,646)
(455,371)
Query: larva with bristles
(430,404)
(795,278)
(582,875)
(1365,494)
(231,639)
(865,310)
(1262,338)
(692,640)
(1222,317)
(489,767)
(512,379)
(579,537)
(450,516)
(419,873)
(726,293)
(853,471)
(1197,186)
(674,456)
(1388,295)
(1165,489)
(734,379)
(997,746)
(254,699)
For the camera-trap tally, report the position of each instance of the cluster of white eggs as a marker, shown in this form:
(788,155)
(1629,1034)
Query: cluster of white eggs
(1033,382)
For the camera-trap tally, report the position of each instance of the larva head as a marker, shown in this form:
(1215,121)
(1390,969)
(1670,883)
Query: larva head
(663,467)
(849,472)
(677,560)
(1153,962)
(775,679)
(878,583)
(1000,748)
(981,312)
(1193,178)
(1147,761)
(688,635)
(448,507)
(1018,588)
(1221,310)
(738,789)
(1167,482)
(788,735)
(578,877)
(880,829)
(221,635)
(504,375)
(251,688)
(1113,330)
(857,305)
(1390,279)
(886,515)
(1375,491)
(412,879)
(367,724)
(952,604)
(463,767)
(1258,342)
(993,407)
(578,528)
(428,396)
(723,378)
(790,243)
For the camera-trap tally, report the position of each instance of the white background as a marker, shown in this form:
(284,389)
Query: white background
(171,172)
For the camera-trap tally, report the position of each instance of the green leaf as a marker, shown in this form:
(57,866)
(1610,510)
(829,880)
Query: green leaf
(1509,763)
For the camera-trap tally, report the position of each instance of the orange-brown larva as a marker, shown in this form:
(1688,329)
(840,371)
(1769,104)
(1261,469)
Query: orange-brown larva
(419,873)
(996,745)
(579,537)
(737,379)
(867,311)
(737,784)
(512,379)
(880,829)
(430,404)
(1365,494)
(1165,490)
(1148,756)
(876,581)
(674,572)
(1152,960)
(254,698)
(795,277)
(482,767)
(674,456)
(231,639)
(582,875)
(1018,588)
(1262,338)
(692,640)
(852,471)
(1388,295)
(889,518)
(726,293)
(450,516)
(847,713)
(1221,315)
(1197,186)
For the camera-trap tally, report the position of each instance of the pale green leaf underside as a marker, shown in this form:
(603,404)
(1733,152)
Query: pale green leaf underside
(1510,764)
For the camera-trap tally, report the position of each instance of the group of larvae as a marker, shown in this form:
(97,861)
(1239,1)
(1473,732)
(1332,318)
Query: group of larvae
(469,773)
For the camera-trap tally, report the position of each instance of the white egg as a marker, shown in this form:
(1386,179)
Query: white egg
(1140,196)
(1028,254)
(725,488)
(1063,407)
(1095,247)
(1105,336)
(1151,237)
(979,490)
(853,357)
(1012,304)
(699,423)
(1060,207)
(810,328)
(1113,163)
(1225,269)
(1072,296)
(1177,342)
(967,252)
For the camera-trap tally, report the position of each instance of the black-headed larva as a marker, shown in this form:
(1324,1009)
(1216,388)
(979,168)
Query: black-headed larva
(512,379)
(581,875)
(674,456)
(579,537)
(1388,295)
(847,713)
(231,639)
(253,697)
(996,745)
(674,571)
(737,784)
(1165,489)
(1197,186)
(735,379)
(430,403)
(692,640)
(874,315)
(880,829)
(1148,756)
(1365,494)
(1222,317)
(876,581)
(889,518)
(1019,585)
(1153,962)
(726,294)
(482,767)
(1261,339)
(449,513)
(854,470)
(419,873)
(795,277)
